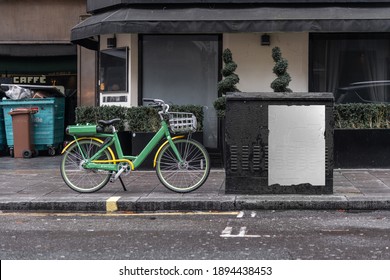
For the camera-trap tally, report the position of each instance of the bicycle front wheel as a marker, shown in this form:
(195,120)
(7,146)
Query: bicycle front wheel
(183,176)
(75,175)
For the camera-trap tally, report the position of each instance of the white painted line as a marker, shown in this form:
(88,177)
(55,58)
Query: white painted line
(89,214)
(240,215)
(111,204)
(242,232)
(227,232)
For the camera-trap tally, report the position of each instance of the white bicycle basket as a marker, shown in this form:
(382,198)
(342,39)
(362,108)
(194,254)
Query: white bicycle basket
(180,122)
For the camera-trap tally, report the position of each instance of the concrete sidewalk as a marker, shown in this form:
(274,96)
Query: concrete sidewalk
(36,184)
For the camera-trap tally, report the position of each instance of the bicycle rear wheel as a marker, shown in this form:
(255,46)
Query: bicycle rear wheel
(188,175)
(75,175)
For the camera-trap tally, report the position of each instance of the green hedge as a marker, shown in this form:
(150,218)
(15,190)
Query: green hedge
(220,106)
(146,119)
(357,115)
(135,119)
(89,114)
(353,115)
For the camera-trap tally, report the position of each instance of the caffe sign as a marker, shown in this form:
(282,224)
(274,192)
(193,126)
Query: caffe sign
(29,79)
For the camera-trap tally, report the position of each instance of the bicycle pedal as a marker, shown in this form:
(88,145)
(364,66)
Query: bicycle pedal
(115,175)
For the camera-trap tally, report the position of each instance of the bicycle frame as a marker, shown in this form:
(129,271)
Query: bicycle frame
(133,161)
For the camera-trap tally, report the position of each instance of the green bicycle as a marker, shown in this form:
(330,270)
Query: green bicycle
(89,163)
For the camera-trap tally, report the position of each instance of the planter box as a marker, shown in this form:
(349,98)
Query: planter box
(125,140)
(361,148)
(139,141)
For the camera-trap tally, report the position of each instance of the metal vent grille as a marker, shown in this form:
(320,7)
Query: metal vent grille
(245,158)
(233,158)
(256,158)
(326,159)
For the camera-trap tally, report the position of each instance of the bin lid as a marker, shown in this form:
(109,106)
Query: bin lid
(55,91)
(22,111)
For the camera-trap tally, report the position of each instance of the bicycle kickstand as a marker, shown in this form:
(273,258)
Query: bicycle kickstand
(123,185)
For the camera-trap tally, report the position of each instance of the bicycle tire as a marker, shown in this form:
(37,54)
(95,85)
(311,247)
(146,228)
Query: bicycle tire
(78,178)
(189,175)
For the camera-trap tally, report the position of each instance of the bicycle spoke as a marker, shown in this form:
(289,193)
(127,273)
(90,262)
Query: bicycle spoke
(186,175)
(73,171)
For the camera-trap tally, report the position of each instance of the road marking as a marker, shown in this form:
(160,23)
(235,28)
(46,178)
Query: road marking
(242,232)
(112,204)
(227,232)
(116,214)
(240,215)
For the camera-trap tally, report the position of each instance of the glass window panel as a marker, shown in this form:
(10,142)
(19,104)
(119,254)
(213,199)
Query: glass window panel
(355,67)
(113,70)
(183,69)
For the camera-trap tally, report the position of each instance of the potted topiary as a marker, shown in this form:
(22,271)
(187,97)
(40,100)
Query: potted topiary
(280,84)
(227,84)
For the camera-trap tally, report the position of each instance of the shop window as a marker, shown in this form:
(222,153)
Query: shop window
(113,70)
(355,67)
(183,69)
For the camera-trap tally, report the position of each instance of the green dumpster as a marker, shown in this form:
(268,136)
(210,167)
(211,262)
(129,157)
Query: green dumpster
(48,122)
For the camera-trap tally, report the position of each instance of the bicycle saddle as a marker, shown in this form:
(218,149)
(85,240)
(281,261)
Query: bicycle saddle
(110,122)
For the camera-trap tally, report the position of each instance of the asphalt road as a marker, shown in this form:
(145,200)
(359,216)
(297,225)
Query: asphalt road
(318,235)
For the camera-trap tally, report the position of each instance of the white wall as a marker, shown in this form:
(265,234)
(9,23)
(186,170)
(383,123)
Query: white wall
(255,62)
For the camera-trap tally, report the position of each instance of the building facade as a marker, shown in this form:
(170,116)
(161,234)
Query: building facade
(115,52)
(172,49)
(35,46)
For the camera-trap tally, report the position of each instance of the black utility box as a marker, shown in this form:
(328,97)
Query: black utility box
(279,143)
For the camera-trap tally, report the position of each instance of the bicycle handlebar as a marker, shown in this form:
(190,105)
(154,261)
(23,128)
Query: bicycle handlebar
(158,103)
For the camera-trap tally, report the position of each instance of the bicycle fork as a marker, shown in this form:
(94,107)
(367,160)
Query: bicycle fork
(174,148)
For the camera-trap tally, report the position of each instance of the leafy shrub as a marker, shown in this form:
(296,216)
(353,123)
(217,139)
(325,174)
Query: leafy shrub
(228,84)
(280,84)
(355,115)
(89,114)
(220,106)
(143,119)
(135,119)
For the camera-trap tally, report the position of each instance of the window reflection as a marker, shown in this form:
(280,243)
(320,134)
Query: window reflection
(355,67)
(113,70)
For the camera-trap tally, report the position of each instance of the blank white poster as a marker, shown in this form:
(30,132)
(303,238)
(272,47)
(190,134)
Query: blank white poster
(296,145)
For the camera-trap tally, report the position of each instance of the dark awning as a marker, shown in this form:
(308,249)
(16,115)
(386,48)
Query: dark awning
(231,20)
